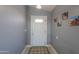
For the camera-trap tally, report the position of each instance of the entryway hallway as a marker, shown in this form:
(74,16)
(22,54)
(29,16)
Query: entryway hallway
(39,29)
(25,25)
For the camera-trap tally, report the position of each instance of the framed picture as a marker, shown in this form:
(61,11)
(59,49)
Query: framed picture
(65,16)
(59,24)
(74,21)
(55,19)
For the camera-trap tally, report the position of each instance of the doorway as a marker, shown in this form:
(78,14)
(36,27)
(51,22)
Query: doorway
(38,30)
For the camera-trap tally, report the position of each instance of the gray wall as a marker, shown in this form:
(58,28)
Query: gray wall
(12,25)
(68,37)
(37,12)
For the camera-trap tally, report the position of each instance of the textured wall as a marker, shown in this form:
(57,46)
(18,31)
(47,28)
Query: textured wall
(68,37)
(12,25)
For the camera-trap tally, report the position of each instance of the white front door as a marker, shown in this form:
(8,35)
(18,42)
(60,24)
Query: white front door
(38,30)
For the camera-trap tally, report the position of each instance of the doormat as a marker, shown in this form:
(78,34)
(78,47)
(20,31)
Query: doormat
(39,50)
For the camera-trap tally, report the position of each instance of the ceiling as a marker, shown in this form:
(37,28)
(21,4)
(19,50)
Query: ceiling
(46,7)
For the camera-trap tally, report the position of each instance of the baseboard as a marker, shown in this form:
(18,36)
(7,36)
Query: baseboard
(4,52)
(26,49)
(52,49)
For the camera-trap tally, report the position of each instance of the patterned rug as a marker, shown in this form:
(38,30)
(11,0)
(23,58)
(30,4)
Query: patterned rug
(39,50)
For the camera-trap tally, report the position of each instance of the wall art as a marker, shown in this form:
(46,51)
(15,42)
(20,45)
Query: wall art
(65,16)
(74,20)
(55,19)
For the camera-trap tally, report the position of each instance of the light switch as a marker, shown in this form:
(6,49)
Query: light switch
(25,30)
(56,37)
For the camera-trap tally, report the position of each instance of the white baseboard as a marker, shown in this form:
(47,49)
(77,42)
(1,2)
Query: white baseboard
(52,50)
(26,49)
(4,52)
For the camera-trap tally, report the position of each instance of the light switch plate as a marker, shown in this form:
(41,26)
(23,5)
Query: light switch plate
(25,30)
(56,37)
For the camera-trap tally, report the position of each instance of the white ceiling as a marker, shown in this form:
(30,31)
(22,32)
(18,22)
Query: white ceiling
(46,7)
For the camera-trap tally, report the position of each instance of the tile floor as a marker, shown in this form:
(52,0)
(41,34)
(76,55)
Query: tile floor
(48,49)
(38,50)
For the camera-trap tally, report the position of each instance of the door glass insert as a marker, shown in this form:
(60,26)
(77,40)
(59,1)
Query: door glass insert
(38,20)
